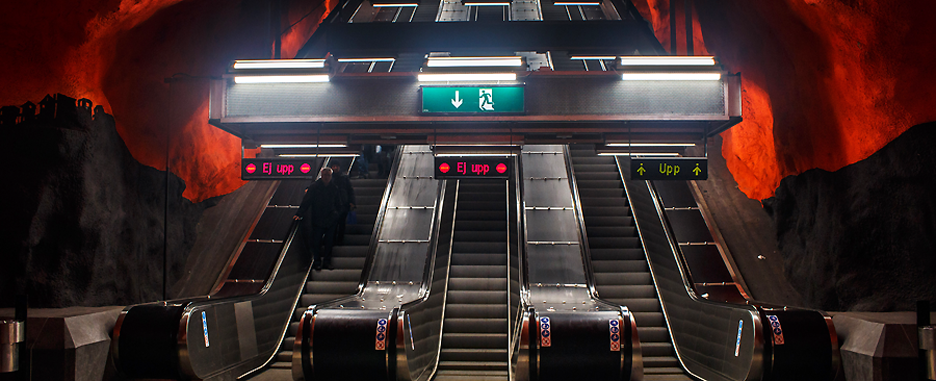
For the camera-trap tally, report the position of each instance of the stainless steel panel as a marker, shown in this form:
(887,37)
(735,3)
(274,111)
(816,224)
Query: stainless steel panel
(537,165)
(540,193)
(556,264)
(400,262)
(407,224)
(414,192)
(552,225)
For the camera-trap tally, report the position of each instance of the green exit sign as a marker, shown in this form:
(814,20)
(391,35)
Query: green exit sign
(677,168)
(472,100)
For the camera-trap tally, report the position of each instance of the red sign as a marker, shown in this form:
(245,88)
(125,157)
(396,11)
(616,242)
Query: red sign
(467,167)
(276,169)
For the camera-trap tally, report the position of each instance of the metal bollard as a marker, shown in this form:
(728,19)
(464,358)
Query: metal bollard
(12,336)
(926,341)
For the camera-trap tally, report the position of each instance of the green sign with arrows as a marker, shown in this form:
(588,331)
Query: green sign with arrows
(472,100)
(677,168)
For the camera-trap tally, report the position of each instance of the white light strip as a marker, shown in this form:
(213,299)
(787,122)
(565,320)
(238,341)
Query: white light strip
(468,77)
(402,5)
(651,144)
(605,58)
(572,4)
(473,61)
(282,78)
(280,64)
(380,59)
(475,154)
(668,60)
(671,76)
(485,4)
(321,155)
(637,154)
(303,146)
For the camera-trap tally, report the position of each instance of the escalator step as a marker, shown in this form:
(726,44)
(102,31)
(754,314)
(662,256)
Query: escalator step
(479,259)
(460,375)
(591,176)
(474,340)
(482,225)
(620,266)
(466,354)
(642,304)
(461,325)
(627,291)
(605,211)
(331,287)
(479,247)
(649,319)
(660,361)
(583,168)
(611,231)
(622,220)
(627,278)
(478,271)
(498,283)
(618,254)
(477,310)
(464,235)
(652,334)
(337,275)
(602,192)
(613,242)
(661,351)
(610,183)
(604,201)
(474,365)
(476,297)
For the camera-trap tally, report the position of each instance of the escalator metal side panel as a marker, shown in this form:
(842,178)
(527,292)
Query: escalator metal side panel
(712,341)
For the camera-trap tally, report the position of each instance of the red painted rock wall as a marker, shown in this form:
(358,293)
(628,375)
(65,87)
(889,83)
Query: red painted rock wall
(826,83)
(118,53)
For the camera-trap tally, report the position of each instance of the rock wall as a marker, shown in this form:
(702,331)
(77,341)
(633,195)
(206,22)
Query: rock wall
(863,238)
(86,219)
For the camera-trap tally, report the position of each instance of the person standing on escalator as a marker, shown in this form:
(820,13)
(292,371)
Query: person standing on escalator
(319,212)
(346,193)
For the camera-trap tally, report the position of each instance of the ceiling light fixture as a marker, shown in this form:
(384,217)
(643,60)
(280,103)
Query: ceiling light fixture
(282,78)
(671,76)
(514,61)
(485,4)
(279,64)
(603,58)
(650,144)
(303,146)
(425,77)
(321,155)
(667,61)
(403,5)
(376,59)
(577,3)
(638,154)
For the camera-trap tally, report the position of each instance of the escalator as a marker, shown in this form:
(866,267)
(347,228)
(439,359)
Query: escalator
(475,326)
(618,260)
(348,260)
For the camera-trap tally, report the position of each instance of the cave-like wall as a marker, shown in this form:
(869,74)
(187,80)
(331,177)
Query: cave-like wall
(85,220)
(863,238)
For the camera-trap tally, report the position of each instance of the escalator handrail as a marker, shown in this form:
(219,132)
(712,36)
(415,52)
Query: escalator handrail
(580,225)
(756,369)
(523,267)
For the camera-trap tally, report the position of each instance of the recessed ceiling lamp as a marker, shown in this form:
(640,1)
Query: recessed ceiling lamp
(671,76)
(510,61)
(667,61)
(282,78)
(279,64)
(441,77)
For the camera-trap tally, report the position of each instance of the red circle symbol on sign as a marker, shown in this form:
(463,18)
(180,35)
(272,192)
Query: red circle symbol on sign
(501,168)
(251,168)
(305,168)
(444,168)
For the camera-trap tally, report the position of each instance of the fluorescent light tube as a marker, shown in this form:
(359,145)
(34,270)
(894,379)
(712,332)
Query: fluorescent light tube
(303,146)
(320,155)
(475,154)
(572,4)
(403,5)
(282,78)
(671,76)
(606,58)
(485,4)
(651,144)
(473,61)
(468,77)
(638,154)
(279,64)
(376,59)
(668,60)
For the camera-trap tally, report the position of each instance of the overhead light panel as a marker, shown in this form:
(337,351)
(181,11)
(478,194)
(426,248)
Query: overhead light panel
(578,3)
(510,61)
(671,76)
(282,78)
(667,61)
(403,5)
(602,58)
(638,154)
(485,4)
(279,64)
(650,144)
(321,155)
(303,145)
(441,77)
(375,59)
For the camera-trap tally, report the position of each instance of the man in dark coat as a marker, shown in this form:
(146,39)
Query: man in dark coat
(346,193)
(319,213)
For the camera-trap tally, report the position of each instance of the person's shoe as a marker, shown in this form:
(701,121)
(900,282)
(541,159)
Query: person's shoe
(329,266)
(317,266)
